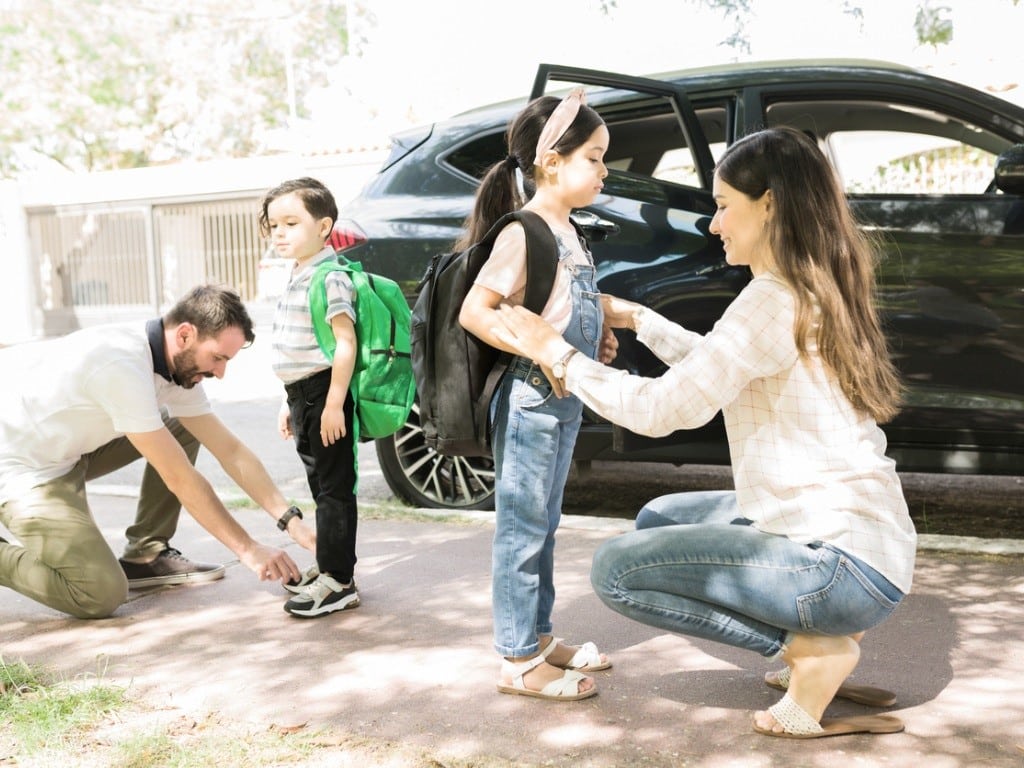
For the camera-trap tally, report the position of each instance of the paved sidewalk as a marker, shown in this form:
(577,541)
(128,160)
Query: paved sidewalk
(413,664)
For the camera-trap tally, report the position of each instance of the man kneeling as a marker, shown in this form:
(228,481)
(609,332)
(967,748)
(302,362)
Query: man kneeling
(83,405)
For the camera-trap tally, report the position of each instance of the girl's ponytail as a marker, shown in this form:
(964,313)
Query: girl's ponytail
(498,194)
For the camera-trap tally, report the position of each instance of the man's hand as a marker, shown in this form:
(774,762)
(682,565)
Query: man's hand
(270,563)
(557,388)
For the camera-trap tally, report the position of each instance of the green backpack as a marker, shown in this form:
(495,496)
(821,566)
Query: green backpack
(382,387)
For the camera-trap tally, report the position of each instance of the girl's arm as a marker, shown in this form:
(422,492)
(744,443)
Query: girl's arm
(480,316)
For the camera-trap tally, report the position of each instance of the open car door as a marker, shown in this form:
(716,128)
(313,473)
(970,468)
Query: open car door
(676,95)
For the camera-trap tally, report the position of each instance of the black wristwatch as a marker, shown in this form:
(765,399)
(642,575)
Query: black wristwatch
(282,524)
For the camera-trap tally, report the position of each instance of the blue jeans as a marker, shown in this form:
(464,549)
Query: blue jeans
(695,567)
(534,453)
(533,434)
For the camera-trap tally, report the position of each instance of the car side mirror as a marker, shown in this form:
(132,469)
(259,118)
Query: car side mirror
(1010,170)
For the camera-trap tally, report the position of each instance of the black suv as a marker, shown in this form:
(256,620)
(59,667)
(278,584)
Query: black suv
(934,167)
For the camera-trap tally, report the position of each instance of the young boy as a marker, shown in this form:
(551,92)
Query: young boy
(298,216)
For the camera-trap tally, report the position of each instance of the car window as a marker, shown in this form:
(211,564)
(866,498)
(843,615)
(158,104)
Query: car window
(893,162)
(646,140)
(676,165)
(474,157)
(883,147)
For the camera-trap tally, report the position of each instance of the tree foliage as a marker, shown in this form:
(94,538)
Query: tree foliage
(932,24)
(105,84)
(93,84)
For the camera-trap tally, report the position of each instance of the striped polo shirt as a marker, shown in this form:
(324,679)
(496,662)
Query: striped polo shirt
(295,354)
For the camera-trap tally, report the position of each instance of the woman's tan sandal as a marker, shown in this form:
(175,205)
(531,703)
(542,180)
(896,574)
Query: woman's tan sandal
(565,688)
(586,659)
(797,724)
(867,695)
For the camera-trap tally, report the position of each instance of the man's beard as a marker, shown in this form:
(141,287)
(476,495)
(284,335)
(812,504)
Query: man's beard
(185,369)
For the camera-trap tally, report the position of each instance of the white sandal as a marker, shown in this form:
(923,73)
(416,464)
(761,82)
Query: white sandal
(565,688)
(798,724)
(587,658)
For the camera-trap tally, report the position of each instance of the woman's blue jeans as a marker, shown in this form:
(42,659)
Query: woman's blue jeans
(695,567)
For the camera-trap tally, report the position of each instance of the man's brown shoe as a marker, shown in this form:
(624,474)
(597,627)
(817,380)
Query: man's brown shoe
(169,567)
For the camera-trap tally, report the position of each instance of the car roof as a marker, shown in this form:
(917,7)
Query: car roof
(796,65)
(871,76)
(778,71)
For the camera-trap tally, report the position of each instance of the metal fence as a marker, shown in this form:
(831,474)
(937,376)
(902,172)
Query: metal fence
(102,262)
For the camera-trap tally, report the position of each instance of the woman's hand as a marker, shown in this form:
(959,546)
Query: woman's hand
(529,335)
(619,313)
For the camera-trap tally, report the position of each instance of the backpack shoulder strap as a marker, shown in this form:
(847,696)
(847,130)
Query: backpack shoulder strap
(541,260)
(541,255)
(318,299)
(318,307)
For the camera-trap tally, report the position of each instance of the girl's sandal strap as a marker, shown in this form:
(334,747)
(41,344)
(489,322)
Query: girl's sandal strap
(783,676)
(798,724)
(517,670)
(586,659)
(564,688)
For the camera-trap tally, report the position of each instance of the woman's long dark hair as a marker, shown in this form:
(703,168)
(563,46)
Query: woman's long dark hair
(824,256)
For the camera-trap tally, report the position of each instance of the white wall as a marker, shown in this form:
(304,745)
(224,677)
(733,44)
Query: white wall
(20,317)
(18,310)
(344,174)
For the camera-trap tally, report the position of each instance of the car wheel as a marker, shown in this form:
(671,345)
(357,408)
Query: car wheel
(423,477)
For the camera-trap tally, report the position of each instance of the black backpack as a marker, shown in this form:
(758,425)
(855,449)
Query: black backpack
(456,373)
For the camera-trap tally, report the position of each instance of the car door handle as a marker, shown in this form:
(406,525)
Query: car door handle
(596,228)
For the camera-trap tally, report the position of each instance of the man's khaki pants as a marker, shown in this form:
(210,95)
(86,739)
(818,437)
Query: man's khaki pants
(63,561)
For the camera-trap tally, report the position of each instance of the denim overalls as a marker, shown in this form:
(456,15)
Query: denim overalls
(533,434)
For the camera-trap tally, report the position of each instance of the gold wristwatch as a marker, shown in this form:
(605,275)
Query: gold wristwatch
(559,368)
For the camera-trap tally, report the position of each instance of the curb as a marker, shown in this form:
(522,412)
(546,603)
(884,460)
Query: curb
(926,542)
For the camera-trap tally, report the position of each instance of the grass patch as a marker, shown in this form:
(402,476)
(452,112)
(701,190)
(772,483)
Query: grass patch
(187,743)
(388,510)
(45,715)
(46,723)
(398,511)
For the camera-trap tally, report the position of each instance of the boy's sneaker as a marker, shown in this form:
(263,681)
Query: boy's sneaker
(325,595)
(169,567)
(308,577)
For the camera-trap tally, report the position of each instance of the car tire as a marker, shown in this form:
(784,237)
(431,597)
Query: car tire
(420,476)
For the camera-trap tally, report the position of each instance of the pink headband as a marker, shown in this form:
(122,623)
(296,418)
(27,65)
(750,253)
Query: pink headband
(559,122)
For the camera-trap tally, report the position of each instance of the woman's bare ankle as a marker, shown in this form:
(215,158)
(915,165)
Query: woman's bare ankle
(819,664)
